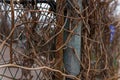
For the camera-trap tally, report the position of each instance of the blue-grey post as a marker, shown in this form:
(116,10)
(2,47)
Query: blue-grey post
(71,63)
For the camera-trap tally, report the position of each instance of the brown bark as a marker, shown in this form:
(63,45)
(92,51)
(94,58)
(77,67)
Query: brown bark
(59,38)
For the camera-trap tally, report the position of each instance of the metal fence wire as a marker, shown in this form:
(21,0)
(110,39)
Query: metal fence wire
(58,40)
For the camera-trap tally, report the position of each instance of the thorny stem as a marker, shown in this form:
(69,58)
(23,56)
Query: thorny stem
(12,26)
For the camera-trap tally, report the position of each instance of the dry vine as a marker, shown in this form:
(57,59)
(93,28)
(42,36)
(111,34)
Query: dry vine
(33,35)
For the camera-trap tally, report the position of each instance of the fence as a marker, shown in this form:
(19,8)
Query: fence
(57,40)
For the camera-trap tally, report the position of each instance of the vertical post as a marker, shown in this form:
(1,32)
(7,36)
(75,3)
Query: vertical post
(59,38)
(71,63)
